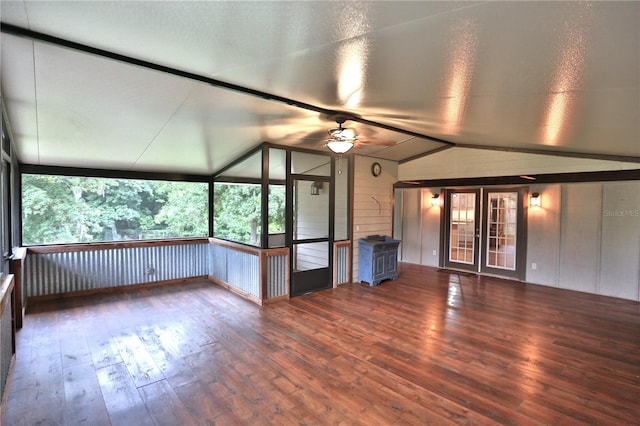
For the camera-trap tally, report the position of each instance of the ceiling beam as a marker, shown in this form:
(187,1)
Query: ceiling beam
(549,178)
(557,153)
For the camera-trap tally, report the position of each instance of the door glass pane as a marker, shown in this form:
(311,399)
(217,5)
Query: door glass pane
(310,256)
(462,228)
(310,209)
(501,230)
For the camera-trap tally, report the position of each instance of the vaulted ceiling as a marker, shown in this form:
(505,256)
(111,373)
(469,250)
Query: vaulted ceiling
(189,86)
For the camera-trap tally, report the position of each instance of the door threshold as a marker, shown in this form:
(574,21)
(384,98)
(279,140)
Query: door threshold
(458,272)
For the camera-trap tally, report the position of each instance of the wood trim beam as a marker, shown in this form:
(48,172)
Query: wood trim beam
(235,246)
(6,288)
(17,262)
(577,177)
(555,153)
(113,174)
(263,276)
(60,248)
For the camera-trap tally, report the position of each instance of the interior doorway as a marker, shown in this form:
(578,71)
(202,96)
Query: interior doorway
(485,230)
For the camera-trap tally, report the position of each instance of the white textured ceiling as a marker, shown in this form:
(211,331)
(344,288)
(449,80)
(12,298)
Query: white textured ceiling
(558,77)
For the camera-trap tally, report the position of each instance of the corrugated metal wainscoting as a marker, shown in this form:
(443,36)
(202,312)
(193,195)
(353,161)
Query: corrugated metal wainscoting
(341,260)
(277,272)
(237,268)
(69,271)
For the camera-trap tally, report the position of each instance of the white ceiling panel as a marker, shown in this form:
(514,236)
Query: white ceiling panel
(19,91)
(95,111)
(210,37)
(409,148)
(535,76)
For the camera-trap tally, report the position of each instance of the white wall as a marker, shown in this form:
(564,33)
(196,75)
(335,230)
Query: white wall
(372,202)
(584,237)
(419,227)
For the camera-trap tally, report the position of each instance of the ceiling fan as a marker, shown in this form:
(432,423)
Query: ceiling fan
(341,139)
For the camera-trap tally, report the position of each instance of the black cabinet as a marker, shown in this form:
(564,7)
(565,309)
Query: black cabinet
(378,259)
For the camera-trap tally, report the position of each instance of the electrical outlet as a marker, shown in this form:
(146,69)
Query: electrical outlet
(534,266)
(435,252)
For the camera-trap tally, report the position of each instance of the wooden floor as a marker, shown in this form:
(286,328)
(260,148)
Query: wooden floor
(429,348)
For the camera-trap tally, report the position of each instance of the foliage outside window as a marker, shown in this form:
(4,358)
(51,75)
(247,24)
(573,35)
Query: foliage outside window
(277,196)
(65,209)
(237,211)
(276,209)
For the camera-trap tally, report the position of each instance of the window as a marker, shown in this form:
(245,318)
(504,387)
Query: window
(277,222)
(70,209)
(237,212)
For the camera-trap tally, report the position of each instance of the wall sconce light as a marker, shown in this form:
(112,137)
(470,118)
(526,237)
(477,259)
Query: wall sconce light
(315,188)
(435,200)
(534,200)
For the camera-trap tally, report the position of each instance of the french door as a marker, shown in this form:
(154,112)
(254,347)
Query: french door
(485,231)
(462,219)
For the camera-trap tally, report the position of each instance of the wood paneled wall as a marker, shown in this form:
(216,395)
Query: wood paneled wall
(373,201)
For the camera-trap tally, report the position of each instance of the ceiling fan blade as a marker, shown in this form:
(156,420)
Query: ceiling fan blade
(366,141)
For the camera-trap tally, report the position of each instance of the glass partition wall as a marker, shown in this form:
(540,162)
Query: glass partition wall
(281,197)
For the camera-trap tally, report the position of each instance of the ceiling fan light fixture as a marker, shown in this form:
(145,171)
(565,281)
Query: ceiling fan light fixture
(339,147)
(343,133)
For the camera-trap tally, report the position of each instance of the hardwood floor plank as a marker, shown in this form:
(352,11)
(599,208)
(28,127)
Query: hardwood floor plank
(104,349)
(164,405)
(429,348)
(73,346)
(173,367)
(203,403)
(137,359)
(84,402)
(122,399)
(43,399)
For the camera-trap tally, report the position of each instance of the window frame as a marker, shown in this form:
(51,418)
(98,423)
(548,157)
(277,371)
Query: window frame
(30,169)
